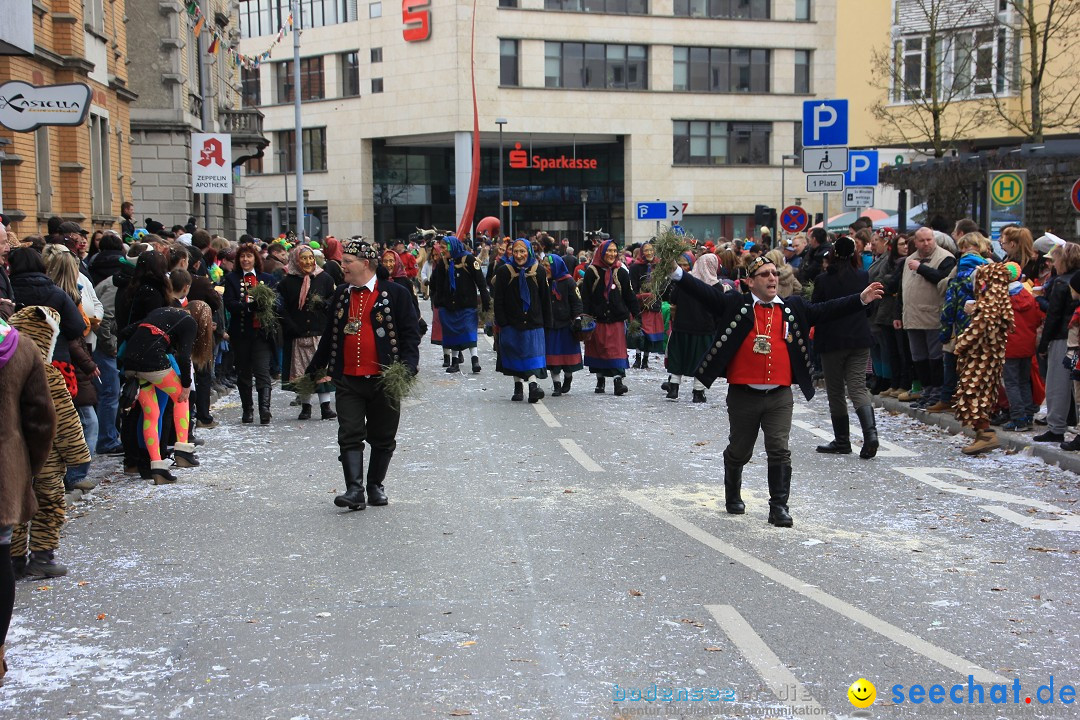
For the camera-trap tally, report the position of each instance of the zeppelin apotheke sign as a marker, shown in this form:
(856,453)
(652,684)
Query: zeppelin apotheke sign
(25,107)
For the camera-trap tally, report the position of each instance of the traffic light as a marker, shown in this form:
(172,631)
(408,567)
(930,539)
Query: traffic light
(765,216)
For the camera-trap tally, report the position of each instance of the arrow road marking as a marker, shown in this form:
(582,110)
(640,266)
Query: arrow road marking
(1068,521)
(775,674)
(867,620)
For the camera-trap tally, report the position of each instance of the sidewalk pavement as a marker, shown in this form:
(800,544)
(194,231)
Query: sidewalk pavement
(1021,442)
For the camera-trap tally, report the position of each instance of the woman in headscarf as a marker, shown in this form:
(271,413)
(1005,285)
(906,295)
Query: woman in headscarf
(607,295)
(304,290)
(692,327)
(522,311)
(455,282)
(563,349)
(333,255)
(651,339)
(394,264)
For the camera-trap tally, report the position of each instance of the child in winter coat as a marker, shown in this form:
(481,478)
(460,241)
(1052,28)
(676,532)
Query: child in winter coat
(1020,353)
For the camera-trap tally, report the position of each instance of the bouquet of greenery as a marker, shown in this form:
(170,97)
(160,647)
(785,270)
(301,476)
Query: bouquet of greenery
(264,298)
(397,381)
(668,247)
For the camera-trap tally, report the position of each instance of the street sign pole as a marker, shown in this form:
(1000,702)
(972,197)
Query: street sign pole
(825,212)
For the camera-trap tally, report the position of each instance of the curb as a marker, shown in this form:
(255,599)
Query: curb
(1049,453)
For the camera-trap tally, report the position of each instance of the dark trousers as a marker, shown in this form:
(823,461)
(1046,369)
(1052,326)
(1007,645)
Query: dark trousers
(750,410)
(252,357)
(896,351)
(204,379)
(845,369)
(365,413)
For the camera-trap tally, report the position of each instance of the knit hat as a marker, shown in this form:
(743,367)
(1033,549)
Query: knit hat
(361,248)
(1014,271)
(844,247)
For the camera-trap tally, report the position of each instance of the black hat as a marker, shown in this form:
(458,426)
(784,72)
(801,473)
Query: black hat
(844,247)
(66,228)
(154,227)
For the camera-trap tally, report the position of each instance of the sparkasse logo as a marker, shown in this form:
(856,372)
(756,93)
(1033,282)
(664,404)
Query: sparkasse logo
(519,160)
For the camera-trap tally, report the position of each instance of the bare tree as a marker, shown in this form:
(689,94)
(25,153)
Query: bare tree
(1046,88)
(919,91)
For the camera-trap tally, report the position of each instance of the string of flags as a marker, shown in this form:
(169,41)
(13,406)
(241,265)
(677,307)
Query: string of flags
(241,60)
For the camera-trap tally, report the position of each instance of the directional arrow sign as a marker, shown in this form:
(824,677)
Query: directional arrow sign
(671,210)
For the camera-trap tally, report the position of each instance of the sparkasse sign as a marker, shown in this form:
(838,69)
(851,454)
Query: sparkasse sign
(25,107)
(520,160)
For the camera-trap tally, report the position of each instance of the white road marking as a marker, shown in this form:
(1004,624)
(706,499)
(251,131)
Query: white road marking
(886,449)
(578,454)
(1069,522)
(546,415)
(775,674)
(869,621)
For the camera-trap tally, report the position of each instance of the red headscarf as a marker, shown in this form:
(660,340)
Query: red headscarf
(606,271)
(399,266)
(332,249)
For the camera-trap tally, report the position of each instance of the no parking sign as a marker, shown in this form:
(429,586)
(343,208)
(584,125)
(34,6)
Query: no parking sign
(794,219)
(1075,196)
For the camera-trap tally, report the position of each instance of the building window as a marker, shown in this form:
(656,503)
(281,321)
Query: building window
(375,10)
(595,65)
(376,55)
(314,149)
(721,70)
(508,3)
(797,147)
(704,142)
(100,176)
(613,7)
(802,10)
(350,74)
(508,62)
(969,63)
(312,85)
(376,85)
(250,86)
(254,166)
(802,71)
(43,160)
(727,9)
(266,17)
(94,15)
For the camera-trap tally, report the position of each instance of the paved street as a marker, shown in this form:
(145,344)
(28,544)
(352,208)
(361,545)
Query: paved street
(549,561)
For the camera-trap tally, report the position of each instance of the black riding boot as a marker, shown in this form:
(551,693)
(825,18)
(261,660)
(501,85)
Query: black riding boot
(352,464)
(264,406)
(247,404)
(869,431)
(779,487)
(733,489)
(841,445)
(377,467)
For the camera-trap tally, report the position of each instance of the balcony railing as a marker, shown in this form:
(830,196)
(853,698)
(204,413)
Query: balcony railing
(247,121)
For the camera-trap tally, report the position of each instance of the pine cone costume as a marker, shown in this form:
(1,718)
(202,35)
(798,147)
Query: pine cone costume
(980,349)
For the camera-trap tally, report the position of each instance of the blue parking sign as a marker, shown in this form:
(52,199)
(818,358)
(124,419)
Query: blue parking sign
(862,169)
(825,122)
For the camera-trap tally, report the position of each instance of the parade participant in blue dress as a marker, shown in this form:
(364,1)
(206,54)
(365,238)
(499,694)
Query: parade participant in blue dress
(563,349)
(761,350)
(606,294)
(522,310)
(692,327)
(454,285)
(651,339)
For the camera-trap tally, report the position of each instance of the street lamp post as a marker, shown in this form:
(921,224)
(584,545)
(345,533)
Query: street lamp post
(783,192)
(584,204)
(500,122)
(282,155)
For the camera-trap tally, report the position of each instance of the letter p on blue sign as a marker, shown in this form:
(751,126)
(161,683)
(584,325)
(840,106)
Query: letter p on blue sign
(825,122)
(862,168)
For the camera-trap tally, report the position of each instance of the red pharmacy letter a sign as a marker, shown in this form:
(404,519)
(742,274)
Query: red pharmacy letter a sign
(416,17)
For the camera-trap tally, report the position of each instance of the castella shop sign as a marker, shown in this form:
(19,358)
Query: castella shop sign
(25,107)
(520,160)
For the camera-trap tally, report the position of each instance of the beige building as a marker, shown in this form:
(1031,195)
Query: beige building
(695,101)
(80,173)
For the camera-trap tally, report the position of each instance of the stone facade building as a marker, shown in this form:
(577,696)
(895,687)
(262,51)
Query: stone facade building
(174,95)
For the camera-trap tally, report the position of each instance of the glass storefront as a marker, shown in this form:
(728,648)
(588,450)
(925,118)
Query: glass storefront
(414,188)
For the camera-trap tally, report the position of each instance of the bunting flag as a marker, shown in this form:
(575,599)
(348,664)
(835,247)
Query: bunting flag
(241,60)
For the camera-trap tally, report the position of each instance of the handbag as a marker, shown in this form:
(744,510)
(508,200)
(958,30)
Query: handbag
(129,393)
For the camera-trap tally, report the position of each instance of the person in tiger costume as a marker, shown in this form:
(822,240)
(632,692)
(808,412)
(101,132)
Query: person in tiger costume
(42,325)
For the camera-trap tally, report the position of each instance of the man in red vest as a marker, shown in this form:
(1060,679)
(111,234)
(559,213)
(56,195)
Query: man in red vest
(761,349)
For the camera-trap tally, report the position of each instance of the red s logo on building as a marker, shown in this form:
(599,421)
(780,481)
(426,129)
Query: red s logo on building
(416,17)
(211,153)
(519,158)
